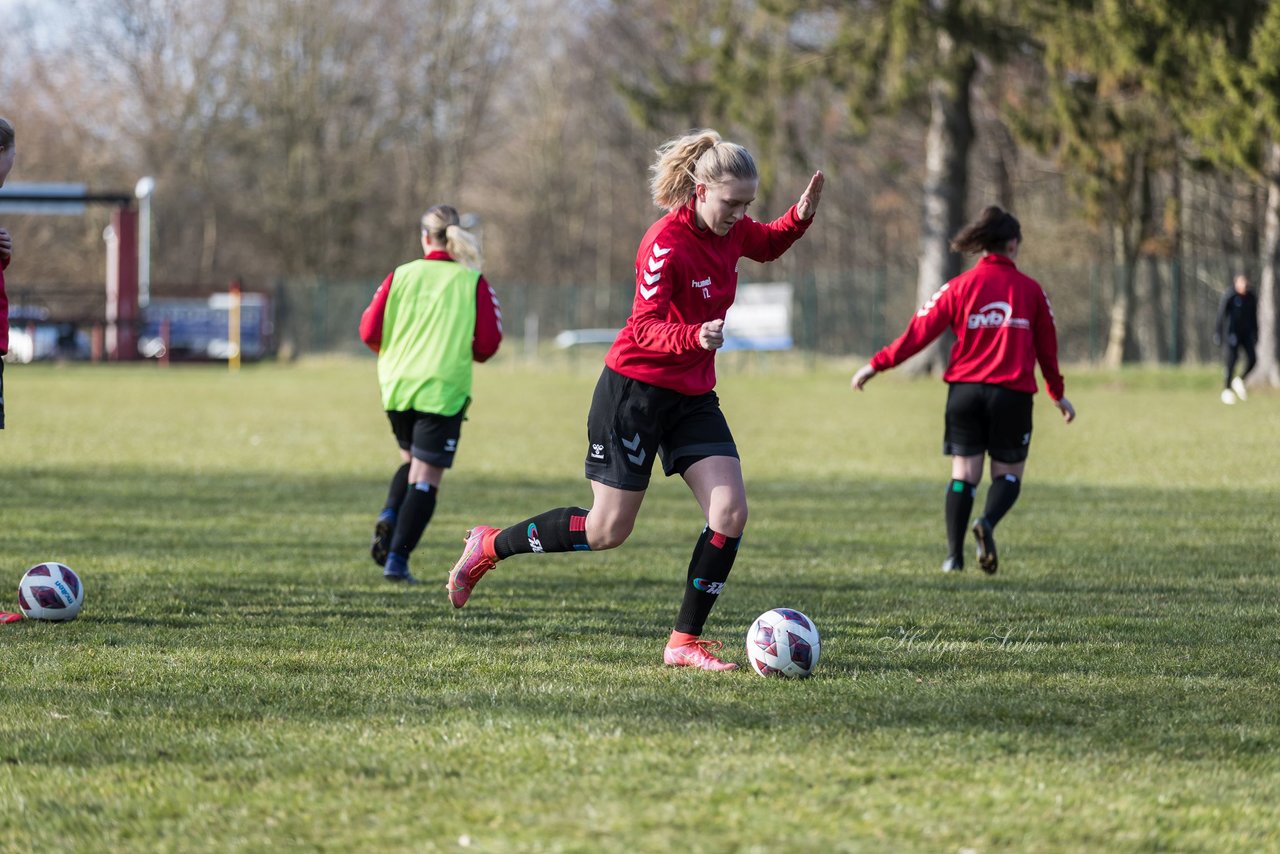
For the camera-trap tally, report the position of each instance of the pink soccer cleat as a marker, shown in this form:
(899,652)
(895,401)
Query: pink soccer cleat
(696,653)
(471,567)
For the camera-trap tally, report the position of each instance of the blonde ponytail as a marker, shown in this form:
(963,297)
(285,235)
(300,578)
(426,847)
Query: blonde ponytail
(698,157)
(463,246)
(442,224)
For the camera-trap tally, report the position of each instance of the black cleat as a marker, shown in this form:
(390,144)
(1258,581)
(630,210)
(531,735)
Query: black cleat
(381,544)
(984,534)
(953,564)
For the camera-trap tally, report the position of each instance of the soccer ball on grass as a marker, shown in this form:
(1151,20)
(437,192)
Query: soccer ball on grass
(50,591)
(783,642)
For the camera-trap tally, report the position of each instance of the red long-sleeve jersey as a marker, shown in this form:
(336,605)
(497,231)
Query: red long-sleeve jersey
(488,334)
(1003,325)
(4,311)
(686,276)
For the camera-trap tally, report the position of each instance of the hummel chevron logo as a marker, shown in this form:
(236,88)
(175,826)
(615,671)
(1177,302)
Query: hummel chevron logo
(655,265)
(658,251)
(631,445)
(651,278)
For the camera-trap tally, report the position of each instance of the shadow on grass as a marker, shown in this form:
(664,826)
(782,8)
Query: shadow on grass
(1144,616)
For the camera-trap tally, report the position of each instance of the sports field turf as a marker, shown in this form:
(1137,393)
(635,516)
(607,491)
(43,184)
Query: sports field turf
(242,679)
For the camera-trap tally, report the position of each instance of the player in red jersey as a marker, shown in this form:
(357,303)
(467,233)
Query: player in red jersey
(1003,326)
(8,151)
(655,395)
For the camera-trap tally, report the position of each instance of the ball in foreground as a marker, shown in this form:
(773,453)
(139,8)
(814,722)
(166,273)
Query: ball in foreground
(783,642)
(50,591)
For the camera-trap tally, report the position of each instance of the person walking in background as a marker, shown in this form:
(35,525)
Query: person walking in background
(1003,325)
(428,321)
(655,395)
(8,151)
(1236,329)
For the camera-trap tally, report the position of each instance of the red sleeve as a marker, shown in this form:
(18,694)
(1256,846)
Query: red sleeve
(1046,340)
(932,318)
(371,320)
(488,322)
(767,241)
(652,306)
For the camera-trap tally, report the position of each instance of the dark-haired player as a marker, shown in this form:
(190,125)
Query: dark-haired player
(1003,326)
(655,395)
(8,151)
(1236,330)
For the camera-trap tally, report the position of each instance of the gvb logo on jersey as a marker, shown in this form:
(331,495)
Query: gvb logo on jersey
(994,315)
(712,587)
(534,542)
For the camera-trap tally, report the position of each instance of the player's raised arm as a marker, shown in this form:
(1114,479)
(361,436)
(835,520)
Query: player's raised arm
(808,204)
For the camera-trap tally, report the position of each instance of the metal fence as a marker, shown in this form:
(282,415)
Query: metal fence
(851,313)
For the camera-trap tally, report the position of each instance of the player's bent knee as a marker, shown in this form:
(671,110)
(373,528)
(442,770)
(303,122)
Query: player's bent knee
(608,533)
(730,521)
(607,538)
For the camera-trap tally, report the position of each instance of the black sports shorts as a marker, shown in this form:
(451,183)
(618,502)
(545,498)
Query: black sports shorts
(987,419)
(630,421)
(426,436)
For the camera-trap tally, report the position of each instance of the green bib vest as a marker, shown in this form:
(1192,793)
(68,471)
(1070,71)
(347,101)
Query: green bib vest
(430,321)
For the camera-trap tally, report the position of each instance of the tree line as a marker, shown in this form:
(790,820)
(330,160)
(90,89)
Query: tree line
(296,139)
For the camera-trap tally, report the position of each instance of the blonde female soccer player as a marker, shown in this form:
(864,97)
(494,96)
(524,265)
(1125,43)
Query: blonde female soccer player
(655,395)
(428,321)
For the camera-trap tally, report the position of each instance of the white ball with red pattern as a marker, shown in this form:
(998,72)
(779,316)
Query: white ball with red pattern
(50,591)
(783,642)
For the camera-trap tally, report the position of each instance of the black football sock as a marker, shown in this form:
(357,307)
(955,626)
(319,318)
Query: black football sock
(397,492)
(958,507)
(415,513)
(561,530)
(708,570)
(1001,496)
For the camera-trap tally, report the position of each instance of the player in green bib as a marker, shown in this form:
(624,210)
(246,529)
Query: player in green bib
(428,321)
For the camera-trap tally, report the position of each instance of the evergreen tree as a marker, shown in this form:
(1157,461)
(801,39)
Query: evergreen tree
(1103,116)
(886,56)
(1230,102)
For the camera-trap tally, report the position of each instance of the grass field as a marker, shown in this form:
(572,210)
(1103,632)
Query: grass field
(242,679)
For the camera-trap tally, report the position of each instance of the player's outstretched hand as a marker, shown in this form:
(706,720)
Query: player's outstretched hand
(865,373)
(711,335)
(6,246)
(1068,411)
(808,204)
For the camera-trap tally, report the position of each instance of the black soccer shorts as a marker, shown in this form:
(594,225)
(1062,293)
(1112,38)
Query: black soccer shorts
(987,419)
(426,436)
(630,421)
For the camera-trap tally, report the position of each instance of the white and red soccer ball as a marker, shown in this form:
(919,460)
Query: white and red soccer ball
(50,591)
(783,642)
